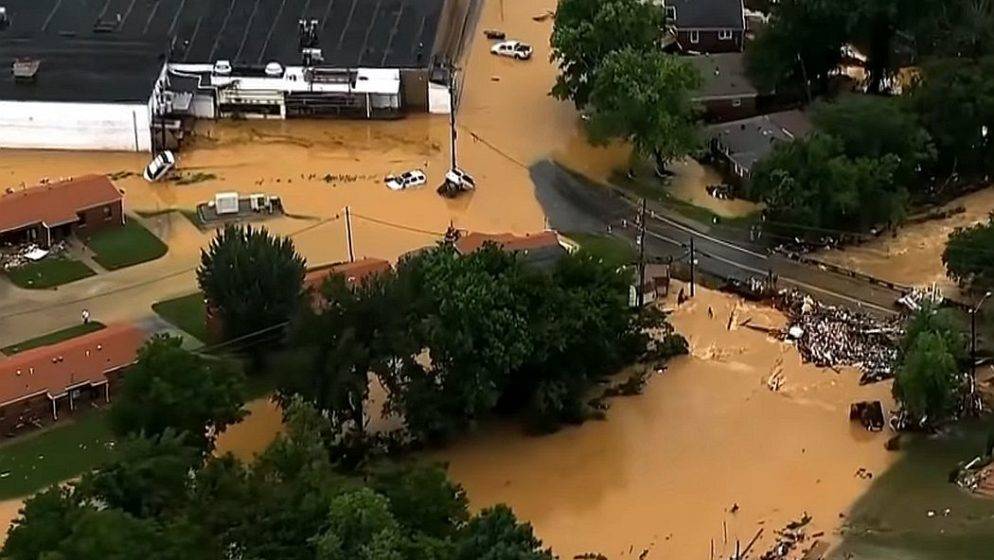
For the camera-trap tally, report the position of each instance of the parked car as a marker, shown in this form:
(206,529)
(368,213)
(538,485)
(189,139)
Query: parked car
(513,49)
(159,166)
(410,179)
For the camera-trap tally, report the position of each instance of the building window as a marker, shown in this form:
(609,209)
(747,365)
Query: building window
(725,34)
(736,103)
(695,36)
(671,13)
(107,213)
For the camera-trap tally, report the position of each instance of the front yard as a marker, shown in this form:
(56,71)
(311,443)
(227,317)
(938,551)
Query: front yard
(52,338)
(126,246)
(48,273)
(187,313)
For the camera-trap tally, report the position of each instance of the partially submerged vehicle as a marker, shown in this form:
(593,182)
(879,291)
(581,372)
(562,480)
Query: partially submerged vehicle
(159,166)
(407,180)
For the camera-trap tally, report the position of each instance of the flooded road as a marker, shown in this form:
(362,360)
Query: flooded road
(914,257)
(666,468)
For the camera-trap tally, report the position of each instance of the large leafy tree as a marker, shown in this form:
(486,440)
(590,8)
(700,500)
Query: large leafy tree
(496,535)
(875,127)
(587,31)
(927,382)
(646,98)
(803,42)
(810,184)
(955,101)
(251,278)
(969,258)
(172,388)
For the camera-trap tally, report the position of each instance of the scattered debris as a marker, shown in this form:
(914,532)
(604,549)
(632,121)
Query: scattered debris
(830,336)
(788,539)
(544,15)
(494,34)
(863,473)
(14,256)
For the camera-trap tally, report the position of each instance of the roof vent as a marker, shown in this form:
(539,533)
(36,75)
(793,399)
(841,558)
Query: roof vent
(274,69)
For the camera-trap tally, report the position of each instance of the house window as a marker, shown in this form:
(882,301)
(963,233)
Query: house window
(736,103)
(695,36)
(671,13)
(725,34)
(107,213)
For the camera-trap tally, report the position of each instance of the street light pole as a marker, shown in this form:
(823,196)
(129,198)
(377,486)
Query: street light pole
(973,344)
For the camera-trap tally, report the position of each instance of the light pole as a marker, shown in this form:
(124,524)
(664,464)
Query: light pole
(973,343)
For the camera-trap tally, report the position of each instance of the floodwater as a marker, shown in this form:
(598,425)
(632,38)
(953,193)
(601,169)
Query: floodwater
(665,469)
(690,181)
(914,257)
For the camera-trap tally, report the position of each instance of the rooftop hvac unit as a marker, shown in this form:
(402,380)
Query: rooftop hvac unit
(258,202)
(274,69)
(226,203)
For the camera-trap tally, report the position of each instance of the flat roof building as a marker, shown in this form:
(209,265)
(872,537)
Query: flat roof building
(98,74)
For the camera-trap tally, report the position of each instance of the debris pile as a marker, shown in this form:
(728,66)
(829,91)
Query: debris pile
(14,256)
(830,336)
(788,539)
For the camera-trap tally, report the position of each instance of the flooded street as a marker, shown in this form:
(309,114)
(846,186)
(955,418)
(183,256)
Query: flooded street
(914,257)
(665,469)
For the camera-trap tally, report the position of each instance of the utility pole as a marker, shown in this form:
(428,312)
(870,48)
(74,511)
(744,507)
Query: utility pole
(804,75)
(348,234)
(641,243)
(452,113)
(693,263)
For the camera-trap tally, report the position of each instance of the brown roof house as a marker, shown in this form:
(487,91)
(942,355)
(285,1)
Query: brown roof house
(543,249)
(45,383)
(53,211)
(355,273)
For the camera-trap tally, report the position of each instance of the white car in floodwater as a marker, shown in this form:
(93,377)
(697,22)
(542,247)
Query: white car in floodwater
(408,180)
(513,49)
(159,166)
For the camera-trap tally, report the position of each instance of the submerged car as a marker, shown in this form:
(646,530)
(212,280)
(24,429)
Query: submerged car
(459,178)
(410,179)
(159,166)
(513,49)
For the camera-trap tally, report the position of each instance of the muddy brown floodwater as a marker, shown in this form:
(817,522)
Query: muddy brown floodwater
(664,469)
(914,257)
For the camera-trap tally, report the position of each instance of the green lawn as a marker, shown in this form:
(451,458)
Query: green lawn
(52,338)
(63,451)
(48,273)
(186,313)
(125,246)
(612,250)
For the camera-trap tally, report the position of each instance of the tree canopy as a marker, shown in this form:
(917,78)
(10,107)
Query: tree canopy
(969,256)
(646,98)
(170,388)
(812,182)
(251,279)
(587,31)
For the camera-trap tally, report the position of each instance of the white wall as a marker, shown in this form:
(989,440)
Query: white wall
(75,126)
(439,102)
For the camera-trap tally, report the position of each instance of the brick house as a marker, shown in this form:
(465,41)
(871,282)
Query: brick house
(45,384)
(543,249)
(737,145)
(706,26)
(47,213)
(355,273)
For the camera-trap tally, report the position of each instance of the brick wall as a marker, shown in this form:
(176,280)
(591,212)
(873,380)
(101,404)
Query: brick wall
(101,217)
(708,41)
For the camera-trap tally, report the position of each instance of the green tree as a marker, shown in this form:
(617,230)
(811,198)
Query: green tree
(423,499)
(252,279)
(495,534)
(875,127)
(360,525)
(939,321)
(587,31)
(45,520)
(955,102)
(646,98)
(812,182)
(968,257)
(172,388)
(802,42)
(148,478)
(927,383)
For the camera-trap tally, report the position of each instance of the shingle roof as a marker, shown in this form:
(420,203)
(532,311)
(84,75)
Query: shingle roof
(708,14)
(723,76)
(749,140)
(55,203)
(54,369)
(354,272)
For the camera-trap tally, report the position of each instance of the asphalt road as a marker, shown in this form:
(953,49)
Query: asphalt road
(575,204)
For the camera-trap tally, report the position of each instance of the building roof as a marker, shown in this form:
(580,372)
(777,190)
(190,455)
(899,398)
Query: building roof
(708,14)
(113,50)
(55,369)
(723,76)
(53,204)
(541,249)
(747,141)
(354,272)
